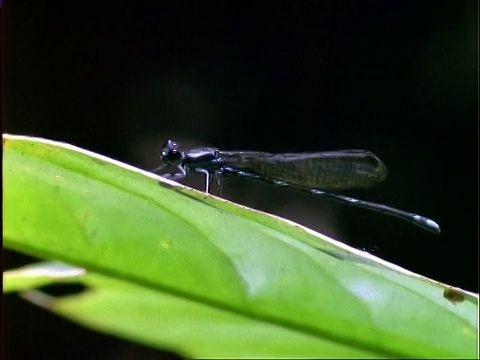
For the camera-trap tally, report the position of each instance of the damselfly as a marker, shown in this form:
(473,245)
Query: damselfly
(314,173)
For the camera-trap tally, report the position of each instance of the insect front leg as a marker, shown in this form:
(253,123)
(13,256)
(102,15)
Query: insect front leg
(178,175)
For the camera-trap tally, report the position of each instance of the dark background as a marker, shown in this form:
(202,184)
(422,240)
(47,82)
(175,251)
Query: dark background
(397,78)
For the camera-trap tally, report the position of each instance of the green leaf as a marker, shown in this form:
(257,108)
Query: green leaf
(157,318)
(188,263)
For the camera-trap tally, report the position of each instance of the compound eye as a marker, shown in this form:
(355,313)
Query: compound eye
(169,144)
(172,157)
(170,154)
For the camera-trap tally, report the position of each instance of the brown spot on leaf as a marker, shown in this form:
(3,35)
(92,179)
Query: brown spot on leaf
(453,295)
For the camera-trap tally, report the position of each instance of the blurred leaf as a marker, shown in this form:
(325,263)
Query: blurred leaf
(38,275)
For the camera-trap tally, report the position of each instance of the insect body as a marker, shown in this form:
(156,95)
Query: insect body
(315,173)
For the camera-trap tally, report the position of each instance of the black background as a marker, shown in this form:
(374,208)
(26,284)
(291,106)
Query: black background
(397,78)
